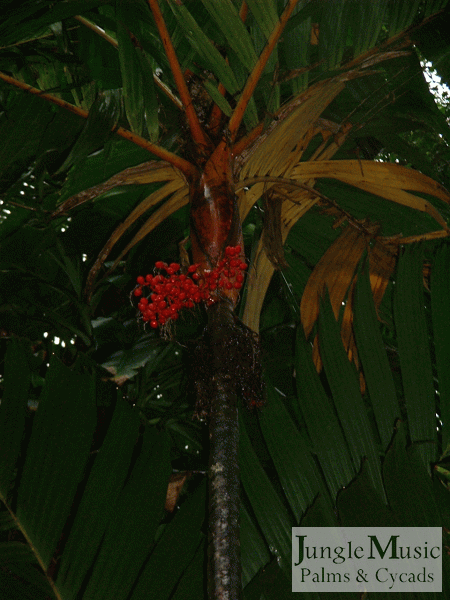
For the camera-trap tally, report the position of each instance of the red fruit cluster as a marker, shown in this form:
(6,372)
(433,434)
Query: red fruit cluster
(171,292)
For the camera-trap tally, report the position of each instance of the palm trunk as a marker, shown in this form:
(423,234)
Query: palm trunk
(224,564)
(214,225)
(226,363)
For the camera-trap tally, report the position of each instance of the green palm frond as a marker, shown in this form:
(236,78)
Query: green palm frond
(93,197)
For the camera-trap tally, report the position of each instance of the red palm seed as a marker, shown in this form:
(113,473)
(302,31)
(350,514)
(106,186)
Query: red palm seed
(159,264)
(162,305)
(154,324)
(140,280)
(192,268)
(238,285)
(239,277)
(237,249)
(149,278)
(170,271)
(243,266)
(195,276)
(228,285)
(175,267)
(143,301)
(138,291)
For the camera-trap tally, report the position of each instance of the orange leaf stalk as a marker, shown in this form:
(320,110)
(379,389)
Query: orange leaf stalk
(199,136)
(252,81)
(183,165)
(216,113)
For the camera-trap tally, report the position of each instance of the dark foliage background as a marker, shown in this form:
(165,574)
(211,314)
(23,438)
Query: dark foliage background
(96,411)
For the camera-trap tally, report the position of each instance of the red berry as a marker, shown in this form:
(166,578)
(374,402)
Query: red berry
(237,249)
(154,324)
(192,268)
(170,271)
(140,280)
(175,267)
(243,266)
(159,264)
(228,285)
(239,277)
(138,291)
(238,285)
(149,278)
(162,305)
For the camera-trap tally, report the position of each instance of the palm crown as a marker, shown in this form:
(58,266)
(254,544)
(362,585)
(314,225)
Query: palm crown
(117,119)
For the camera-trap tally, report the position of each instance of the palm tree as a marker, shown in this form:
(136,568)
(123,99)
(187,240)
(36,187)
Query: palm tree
(134,132)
